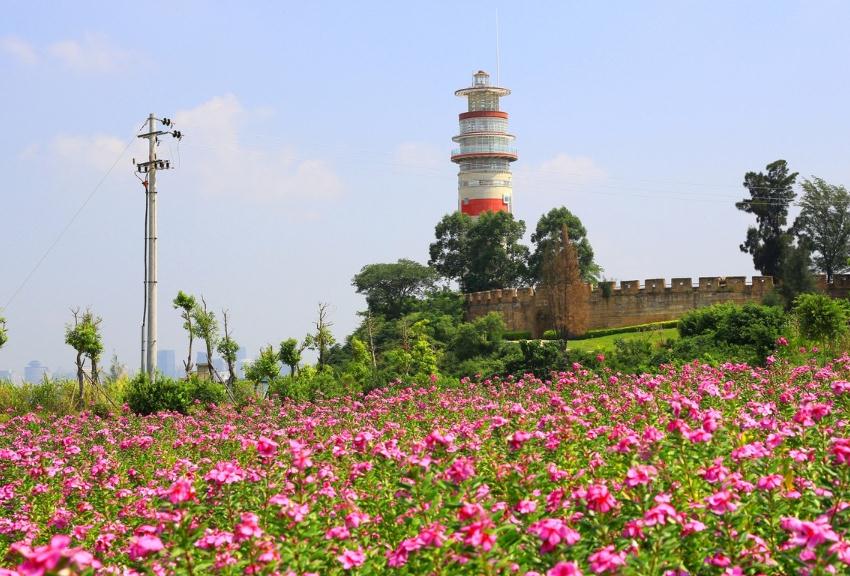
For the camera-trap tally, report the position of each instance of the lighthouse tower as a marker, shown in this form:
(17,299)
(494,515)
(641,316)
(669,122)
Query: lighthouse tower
(485,150)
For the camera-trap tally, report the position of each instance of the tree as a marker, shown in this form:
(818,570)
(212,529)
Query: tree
(322,339)
(116,369)
(206,328)
(84,337)
(549,230)
(821,318)
(290,354)
(823,225)
(228,348)
(565,291)
(4,335)
(484,254)
(390,288)
(770,196)
(797,275)
(264,369)
(449,254)
(186,304)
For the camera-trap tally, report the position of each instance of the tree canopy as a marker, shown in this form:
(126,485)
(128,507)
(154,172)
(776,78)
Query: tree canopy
(823,225)
(391,288)
(548,230)
(482,254)
(4,335)
(771,194)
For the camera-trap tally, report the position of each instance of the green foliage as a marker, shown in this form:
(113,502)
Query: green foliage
(823,225)
(84,335)
(770,196)
(537,357)
(599,333)
(205,391)
(548,230)
(392,289)
(186,303)
(743,332)
(4,335)
(359,368)
(702,320)
(265,368)
(797,275)
(205,327)
(482,254)
(311,385)
(228,348)
(290,354)
(480,337)
(821,318)
(322,339)
(514,335)
(146,396)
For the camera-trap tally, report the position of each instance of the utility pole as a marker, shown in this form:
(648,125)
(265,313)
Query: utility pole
(149,343)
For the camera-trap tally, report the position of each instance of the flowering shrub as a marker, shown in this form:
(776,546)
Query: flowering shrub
(729,470)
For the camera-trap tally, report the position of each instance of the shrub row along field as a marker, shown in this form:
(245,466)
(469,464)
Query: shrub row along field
(698,470)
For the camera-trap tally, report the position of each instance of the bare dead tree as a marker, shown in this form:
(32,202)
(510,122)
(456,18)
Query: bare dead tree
(567,295)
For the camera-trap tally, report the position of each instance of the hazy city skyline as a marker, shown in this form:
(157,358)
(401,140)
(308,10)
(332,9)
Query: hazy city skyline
(317,140)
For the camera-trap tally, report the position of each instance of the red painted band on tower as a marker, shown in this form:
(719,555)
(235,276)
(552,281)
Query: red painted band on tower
(483,114)
(475,206)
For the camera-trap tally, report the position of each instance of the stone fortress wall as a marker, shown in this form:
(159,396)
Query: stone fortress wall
(631,303)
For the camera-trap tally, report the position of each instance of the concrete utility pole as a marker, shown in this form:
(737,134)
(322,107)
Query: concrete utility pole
(149,343)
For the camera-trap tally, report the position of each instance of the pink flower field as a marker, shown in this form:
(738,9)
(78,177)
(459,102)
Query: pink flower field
(732,470)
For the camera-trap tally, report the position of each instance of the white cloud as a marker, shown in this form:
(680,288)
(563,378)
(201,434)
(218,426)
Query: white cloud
(419,156)
(561,172)
(215,156)
(92,53)
(19,49)
(97,152)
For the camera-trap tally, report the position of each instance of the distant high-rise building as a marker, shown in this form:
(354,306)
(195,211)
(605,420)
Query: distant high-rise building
(486,150)
(167,363)
(201,358)
(35,372)
(242,353)
(7,375)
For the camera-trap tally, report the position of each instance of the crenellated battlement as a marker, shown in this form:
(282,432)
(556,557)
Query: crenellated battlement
(630,302)
(756,285)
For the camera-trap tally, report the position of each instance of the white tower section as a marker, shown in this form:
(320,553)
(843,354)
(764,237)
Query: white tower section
(485,150)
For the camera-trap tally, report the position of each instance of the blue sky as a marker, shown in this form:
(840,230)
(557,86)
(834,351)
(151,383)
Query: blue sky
(318,134)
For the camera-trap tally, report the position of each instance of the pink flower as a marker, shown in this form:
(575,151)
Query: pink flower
(247,527)
(599,499)
(266,447)
(770,482)
(564,569)
(840,449)
(477,536)
(144,545)
(351,558)
(518,438)
(526,506)
(553,531)
(606,560)
(181,491)
(640,474)
(226,473)
(721,502)
(460,470)
(809,534)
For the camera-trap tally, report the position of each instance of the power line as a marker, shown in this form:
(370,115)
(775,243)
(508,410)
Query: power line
(68,225)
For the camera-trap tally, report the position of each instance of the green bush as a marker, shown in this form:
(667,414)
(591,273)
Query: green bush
(821,318)
(147,397)
(702,320)
(753,326)
(206,391)
(538,357)
(627,329)
(516,335)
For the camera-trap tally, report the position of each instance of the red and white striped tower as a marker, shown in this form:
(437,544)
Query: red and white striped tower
(485,153)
